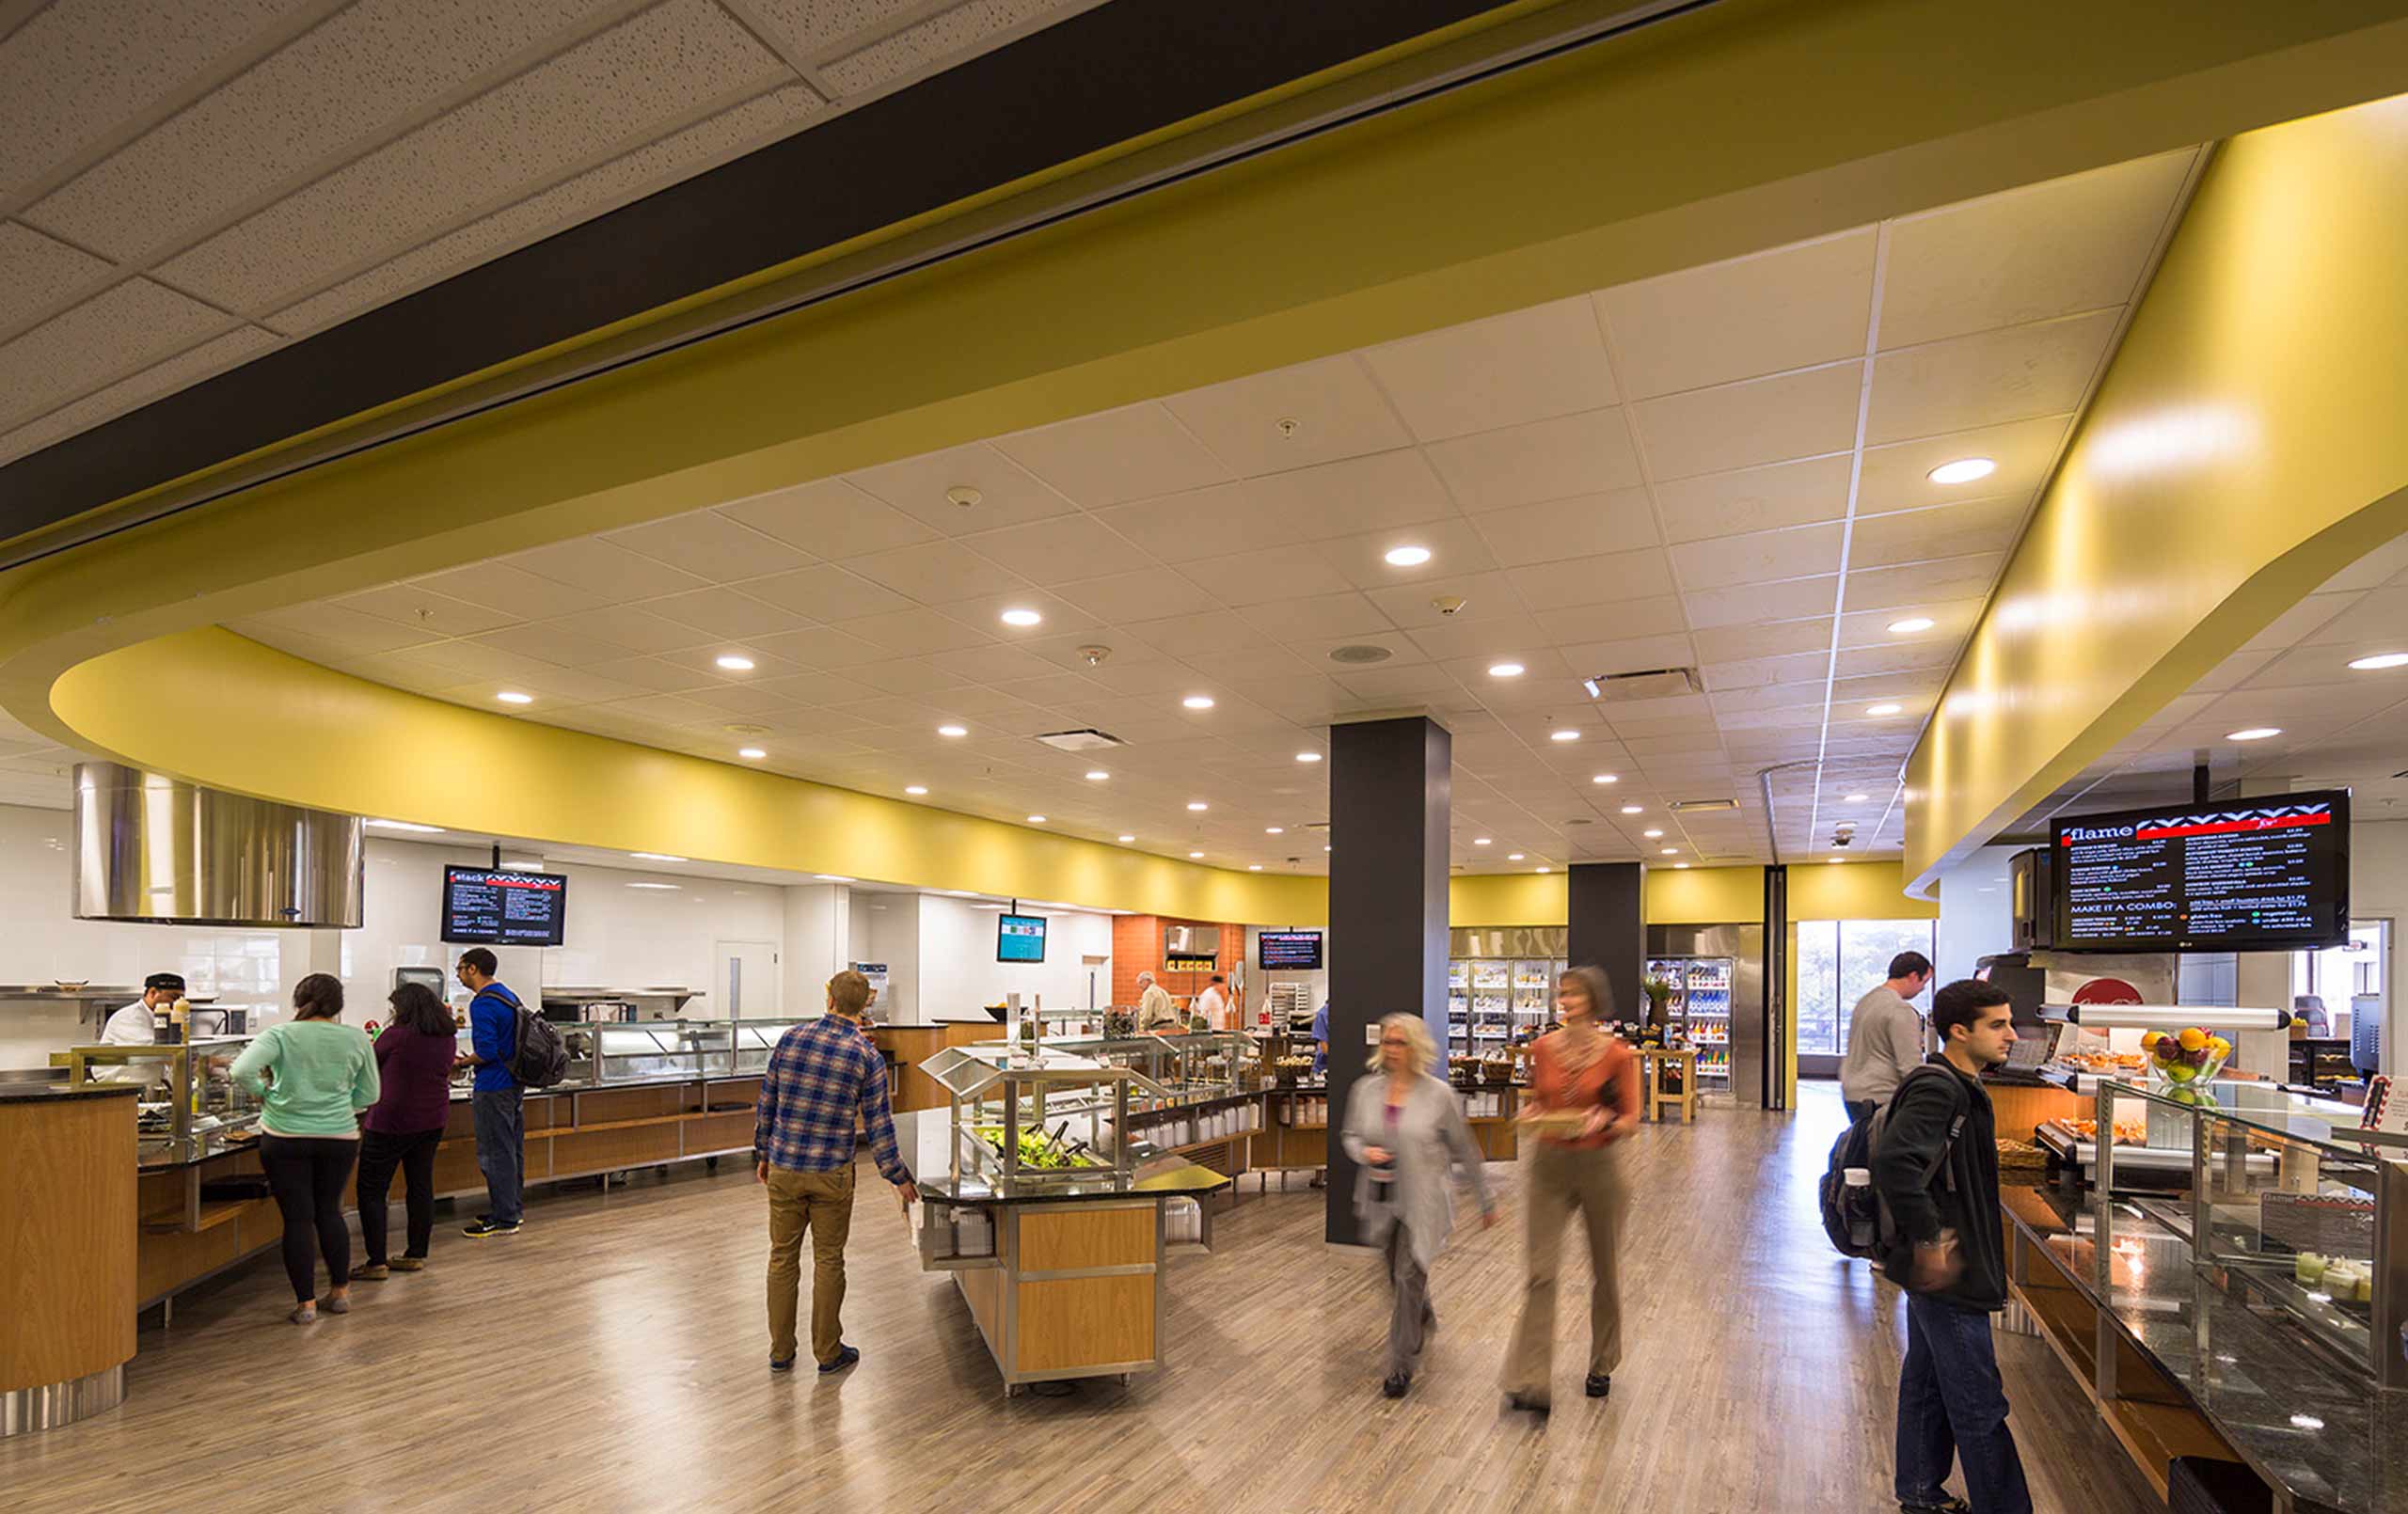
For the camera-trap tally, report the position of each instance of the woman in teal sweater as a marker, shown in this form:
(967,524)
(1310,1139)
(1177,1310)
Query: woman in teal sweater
(316,1074)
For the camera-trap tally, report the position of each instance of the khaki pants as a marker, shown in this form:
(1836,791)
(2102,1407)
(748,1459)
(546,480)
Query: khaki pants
(1557,1181)
(821,1203)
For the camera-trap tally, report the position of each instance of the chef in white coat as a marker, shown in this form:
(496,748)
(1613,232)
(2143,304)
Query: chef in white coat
(137,1024)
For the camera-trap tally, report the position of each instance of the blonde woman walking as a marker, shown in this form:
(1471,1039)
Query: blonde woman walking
(1404,1130)
(1587,1073)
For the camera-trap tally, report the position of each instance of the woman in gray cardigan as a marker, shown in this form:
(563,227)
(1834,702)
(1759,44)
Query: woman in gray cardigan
(1404,1129)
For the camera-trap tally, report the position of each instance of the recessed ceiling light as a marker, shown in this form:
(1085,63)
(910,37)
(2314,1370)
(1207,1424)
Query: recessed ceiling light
(1853,799)
(833,878)
(1022,617)
(1963,470)
(2255,732)
(1308,756)
(1325,848)
(2380,661)
(1668,851)
(1541,870)
(670,887)
(1882,709)
(1198,805)
(1036,820)
(1512,856)
(1097,774)
(751,753)
(1505,670)
(1407,557)
(1678,865)
(1254,867)
(1563,734)
(953,731)
(1126,840)
(1195,854)
(1198,701)
(1652,835)
(733,662)
(1480,841)
(1607,777)
(1275,830)
(511,696)
(655,856)
(1632,808)
(429,830)
(1832,860)
(1910,625)
(916,788)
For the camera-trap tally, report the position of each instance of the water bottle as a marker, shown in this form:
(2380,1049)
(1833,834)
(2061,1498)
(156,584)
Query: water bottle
(1858,1205)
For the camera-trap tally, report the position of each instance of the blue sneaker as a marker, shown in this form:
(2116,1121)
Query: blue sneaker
(846,1357)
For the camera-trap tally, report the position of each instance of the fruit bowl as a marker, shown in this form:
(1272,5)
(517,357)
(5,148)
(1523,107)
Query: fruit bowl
(2185,1059)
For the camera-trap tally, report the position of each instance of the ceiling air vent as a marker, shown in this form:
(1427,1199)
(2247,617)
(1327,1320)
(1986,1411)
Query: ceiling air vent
(1702,806)
(1653,684)
(1089,740)
(1358,655)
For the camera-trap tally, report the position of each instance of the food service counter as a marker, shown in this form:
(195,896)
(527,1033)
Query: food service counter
(67,1206)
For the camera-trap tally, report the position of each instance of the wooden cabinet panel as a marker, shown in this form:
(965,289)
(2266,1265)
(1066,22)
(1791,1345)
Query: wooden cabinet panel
(576,1151)
(1086,1321)
(709,1133)
(68,1225)
(1057,1241)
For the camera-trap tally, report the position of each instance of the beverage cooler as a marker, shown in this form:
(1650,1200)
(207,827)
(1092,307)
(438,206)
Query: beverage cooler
(1716,974)
(1500,985)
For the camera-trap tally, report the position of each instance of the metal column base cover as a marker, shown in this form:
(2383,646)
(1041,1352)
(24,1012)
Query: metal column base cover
(23,1411)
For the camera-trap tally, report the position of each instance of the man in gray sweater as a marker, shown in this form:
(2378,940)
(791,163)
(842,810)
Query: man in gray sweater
(1884,1036)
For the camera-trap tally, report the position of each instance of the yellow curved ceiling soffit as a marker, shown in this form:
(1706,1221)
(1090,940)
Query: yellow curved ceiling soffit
(1489,200)
(2244,448)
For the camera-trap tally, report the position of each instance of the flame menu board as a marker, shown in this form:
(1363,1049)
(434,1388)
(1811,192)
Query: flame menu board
(2266,874)
(504,909)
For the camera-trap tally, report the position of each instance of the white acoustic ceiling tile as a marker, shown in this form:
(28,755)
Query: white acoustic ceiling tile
(1949,579)
(1384,684)
(710,545)
(78,70)
(1798,415)
(1062,550)
(1754,672)
(1758,557)
(1184,634)
(1770,696)
(1748,644)
(822,28)
(823,648)
(1898,476)
(1291,417)
(1505,635)
(2381,566)
(666,709)
(635,629)
(1594,659)
(1321,615)
(1756,499)
(1116,456)
(512,589)
(186,368)
(42,272)
(648,76)
(951,33)
(2024,371)
(934,573)
(629,177)
(327,627)
(1938,531)
(1950,622)
(1248,665)
(606,572)
(1579,454)
(1590,580)
(919,631)
(826,592)
(729,612)
(422,609)
(654,673)
(548,643)
(569,686)
(829,518)
(337,87)
(920,486)
(1620,620)
(1528,365)
(1246,511)
(112,335)
(1384,492)
(1906,657)
(1150,593)
(1582,526)
(1790,307)
(2047,249)
(1787,600)
(820,688)
(1474,596)
(911,676)
(1261,576)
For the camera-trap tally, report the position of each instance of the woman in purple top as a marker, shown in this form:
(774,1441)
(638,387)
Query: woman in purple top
(402,1129)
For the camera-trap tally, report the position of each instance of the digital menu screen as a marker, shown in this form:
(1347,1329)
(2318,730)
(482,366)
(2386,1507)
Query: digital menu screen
(1020,938)
(1290,951)
(504,909)
(2262,873)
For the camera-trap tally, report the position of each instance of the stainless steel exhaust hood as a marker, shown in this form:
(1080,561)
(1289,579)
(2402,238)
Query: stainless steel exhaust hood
(156,850)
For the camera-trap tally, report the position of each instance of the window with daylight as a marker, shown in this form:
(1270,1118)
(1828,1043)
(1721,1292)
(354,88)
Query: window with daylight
(1837,961)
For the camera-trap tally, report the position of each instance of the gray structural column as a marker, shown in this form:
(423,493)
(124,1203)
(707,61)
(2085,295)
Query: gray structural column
(1608,929)
(1389,793)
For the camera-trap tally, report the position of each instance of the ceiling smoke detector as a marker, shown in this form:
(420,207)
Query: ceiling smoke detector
(1084,740)
(1093,657)
(964,495)
(1448,604)
(1358,655)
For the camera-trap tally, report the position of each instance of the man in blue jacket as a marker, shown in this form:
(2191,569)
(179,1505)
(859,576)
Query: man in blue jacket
(501,1131)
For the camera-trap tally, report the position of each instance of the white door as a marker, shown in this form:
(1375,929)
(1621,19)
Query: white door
(746,980)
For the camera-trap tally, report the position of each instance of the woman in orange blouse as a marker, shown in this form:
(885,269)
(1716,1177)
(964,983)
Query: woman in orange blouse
(1581,1070)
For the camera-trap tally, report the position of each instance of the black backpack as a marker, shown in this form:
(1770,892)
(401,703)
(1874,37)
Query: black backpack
(540,1059)
(1858,1219)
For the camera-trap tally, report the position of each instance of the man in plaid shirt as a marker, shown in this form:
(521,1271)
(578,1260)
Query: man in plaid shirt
(823,1074)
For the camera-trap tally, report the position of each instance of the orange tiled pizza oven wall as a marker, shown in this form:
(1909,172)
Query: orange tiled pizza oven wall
(1138,947)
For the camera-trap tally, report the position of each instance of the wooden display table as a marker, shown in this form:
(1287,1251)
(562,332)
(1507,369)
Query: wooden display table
(66,1228)
(1682,1060)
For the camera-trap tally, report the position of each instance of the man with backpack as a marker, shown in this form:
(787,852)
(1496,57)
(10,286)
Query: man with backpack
(1933,1159)
(497,1100)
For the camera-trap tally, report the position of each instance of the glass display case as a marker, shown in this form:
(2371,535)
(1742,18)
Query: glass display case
(1044,1121)
(189,1107)
(605,1052)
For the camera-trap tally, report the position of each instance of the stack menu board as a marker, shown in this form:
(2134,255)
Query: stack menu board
(2269,874)
(1290,951)
(500,907)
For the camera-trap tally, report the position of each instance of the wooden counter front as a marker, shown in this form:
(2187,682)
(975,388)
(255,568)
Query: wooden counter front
(68,1217)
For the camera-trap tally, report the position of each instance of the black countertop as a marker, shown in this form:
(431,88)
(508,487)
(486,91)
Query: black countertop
(2329,1438)
(39,1092)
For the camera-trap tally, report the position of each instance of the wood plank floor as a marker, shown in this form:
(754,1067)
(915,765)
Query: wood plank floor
(612,1356)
